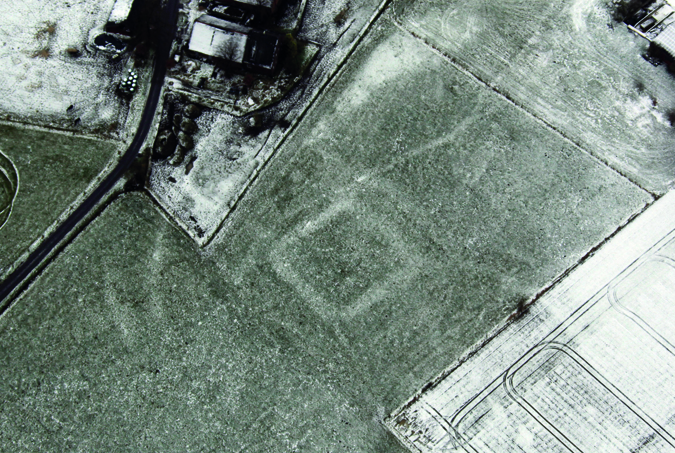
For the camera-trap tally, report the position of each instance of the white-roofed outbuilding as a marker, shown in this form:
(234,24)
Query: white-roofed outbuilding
(235,44)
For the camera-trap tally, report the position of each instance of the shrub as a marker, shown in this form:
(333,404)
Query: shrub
(42,53)
(292,54)
(340,17)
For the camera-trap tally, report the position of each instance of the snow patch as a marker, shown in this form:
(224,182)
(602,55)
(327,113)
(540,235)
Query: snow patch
(579,10)
(392,59)
(643,114)
(40,79)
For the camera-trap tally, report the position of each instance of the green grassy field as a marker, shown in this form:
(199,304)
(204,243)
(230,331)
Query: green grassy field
(53,169)
(406,217)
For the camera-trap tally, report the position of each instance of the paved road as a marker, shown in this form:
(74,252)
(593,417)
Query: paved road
(168,31)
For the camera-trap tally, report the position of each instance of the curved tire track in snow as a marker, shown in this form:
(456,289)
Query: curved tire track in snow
(9,187)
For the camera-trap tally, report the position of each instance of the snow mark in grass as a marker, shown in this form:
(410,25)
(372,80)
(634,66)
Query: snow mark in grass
(345,260)
(393,59)
(568,64)
(9,187)
(589,368)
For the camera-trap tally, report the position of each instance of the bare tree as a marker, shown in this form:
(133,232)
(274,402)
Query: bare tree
(230,48)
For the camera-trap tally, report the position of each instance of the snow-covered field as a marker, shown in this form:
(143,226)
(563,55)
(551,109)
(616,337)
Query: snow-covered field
(40,80)
(221,163)
(588,369)
(568,63)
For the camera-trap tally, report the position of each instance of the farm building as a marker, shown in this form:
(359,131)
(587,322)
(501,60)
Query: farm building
(657,25)
(121,17)
(240,46)
(260,6)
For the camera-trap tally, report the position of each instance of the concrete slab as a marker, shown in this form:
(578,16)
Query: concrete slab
(590,368)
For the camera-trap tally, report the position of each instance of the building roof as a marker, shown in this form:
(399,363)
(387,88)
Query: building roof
(234,42)
(217,42)
(658,25)
(263,3)
(262,51)
(120,11)
(666,39)
(260,3)
(223,24)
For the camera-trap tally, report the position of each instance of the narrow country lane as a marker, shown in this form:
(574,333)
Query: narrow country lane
(168,30)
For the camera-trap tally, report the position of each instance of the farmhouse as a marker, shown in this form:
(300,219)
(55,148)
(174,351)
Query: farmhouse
(239,46)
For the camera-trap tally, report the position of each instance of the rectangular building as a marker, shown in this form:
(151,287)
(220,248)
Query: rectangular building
(657,25)
(241,47)
(121,17)
(264,6)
